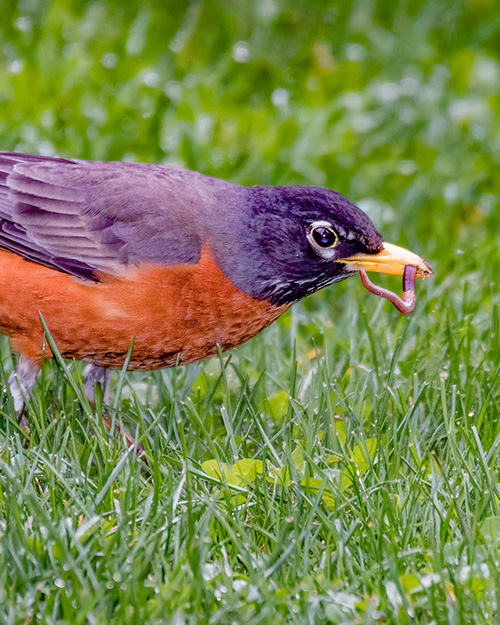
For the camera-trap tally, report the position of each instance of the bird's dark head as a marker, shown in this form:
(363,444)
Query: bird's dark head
(300,239)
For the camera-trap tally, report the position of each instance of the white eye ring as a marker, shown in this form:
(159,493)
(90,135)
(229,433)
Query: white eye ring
(326,251)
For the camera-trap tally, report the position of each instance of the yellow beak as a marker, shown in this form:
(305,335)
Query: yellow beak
(392,259)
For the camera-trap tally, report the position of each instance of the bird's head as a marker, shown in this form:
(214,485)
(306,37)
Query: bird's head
(301,238)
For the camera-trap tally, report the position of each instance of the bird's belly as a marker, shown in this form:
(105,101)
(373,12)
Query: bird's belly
(175,314)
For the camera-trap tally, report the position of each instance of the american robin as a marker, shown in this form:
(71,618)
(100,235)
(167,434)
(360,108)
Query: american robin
(178,262)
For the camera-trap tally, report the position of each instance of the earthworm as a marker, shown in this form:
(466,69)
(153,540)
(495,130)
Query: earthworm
(404,304)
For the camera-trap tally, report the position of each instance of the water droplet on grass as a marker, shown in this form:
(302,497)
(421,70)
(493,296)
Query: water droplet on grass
(109,59)
(280,97)
(241,52)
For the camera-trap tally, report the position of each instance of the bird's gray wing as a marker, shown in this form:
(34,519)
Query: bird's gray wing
(89,217)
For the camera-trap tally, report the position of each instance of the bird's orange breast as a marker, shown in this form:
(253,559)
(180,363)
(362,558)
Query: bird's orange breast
(175,314)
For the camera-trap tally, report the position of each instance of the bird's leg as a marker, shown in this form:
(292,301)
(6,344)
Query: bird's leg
(21,382)
(20,385)
(92,375)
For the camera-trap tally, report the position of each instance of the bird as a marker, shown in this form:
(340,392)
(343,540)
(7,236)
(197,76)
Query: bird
(178,263)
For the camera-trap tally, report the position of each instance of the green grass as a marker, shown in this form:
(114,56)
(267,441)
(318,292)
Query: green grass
(342,467)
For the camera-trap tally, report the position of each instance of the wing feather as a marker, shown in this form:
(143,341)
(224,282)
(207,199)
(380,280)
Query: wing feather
(88,217)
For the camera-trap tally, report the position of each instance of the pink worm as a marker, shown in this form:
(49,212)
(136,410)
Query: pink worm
(404,304)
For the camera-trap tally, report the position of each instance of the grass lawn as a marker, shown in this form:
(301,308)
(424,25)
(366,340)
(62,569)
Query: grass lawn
(343,466)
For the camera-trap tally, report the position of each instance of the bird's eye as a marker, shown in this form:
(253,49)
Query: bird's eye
(323,236)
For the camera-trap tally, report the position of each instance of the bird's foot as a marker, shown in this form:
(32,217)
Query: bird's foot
(121,429)
(93,375)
